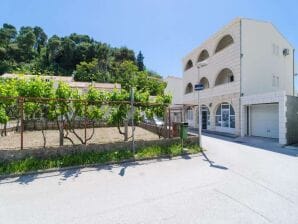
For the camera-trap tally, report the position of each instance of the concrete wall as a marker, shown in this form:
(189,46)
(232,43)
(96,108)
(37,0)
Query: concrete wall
(264,67)
(292,120)
(10,155)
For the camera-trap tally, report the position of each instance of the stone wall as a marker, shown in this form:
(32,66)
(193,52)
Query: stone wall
(52,125)
(10,155)
(160,131)
(292,120)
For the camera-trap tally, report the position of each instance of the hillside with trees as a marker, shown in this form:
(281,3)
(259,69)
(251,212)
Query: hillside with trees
(30,51)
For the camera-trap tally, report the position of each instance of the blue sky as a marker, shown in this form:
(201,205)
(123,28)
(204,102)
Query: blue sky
(165,30)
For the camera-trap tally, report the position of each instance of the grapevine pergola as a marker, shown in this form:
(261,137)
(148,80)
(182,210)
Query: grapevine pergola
(25,99)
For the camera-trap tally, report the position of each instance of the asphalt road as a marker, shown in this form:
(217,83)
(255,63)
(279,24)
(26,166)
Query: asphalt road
(231,183)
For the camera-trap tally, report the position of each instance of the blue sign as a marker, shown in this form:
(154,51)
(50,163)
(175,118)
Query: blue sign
(199,87)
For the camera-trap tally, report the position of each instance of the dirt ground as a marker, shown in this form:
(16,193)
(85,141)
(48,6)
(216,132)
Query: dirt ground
(34,139)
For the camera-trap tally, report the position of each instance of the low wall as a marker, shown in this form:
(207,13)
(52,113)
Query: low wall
(161,131)
(10,155)
(292,120)
(52,125)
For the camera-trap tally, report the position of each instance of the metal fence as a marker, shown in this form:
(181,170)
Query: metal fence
(34,122)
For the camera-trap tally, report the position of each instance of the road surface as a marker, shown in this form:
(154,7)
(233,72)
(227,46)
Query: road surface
(230,183)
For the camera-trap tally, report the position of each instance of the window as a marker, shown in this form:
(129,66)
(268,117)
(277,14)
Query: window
(275,81)
(224,42)
(189,114)
(231,78)
(225,116)
(206,110)
(275,49)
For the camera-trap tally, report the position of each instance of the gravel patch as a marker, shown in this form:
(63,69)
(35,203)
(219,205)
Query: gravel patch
(34,139)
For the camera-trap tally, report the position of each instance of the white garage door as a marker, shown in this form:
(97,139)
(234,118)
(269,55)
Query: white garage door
(264,120)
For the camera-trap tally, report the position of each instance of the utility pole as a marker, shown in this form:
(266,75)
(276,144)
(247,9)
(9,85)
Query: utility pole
(199,111)
(198,88)
(132,119)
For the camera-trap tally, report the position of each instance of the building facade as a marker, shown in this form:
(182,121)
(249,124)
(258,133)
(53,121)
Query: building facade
(175,88)
(247,70)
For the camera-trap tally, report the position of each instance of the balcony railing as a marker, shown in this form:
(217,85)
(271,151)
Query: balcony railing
(219,90)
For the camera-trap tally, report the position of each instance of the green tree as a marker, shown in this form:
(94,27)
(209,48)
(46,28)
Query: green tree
(7,34)
(123,54)
(41,38)
(26,40)
(140,61)
(86,72)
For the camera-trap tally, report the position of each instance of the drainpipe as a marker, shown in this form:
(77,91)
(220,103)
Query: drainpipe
(293,72)
(240,106)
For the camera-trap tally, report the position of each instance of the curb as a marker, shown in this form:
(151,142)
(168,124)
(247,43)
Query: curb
(51,170)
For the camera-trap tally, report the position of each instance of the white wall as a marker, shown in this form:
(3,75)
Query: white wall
(174,87)
(260,62)
(274,97)
(227,58)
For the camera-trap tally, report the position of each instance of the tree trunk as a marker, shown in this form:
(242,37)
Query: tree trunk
(61,132)
(43,134)
(126,130)
(5,129)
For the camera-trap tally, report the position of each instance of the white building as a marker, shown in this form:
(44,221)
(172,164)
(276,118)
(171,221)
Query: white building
(175,88)
(247,69)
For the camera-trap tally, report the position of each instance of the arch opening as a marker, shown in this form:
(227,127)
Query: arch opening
(203,56)
(224,43)
(188,65)
(204,81)
(225,116)
(189,88)
(225,76)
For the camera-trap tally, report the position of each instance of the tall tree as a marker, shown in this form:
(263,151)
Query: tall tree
(26,40)
(124,54)
(140,61)
(41,38)
(7,34)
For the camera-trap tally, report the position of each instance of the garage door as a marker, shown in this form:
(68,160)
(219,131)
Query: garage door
(264,120)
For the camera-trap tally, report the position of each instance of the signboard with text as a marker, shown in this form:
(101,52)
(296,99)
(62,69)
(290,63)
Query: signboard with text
(199,87)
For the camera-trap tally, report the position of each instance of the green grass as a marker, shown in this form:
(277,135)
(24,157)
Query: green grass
(88,158)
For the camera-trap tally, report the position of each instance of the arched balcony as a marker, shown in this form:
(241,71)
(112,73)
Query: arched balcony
(188,65)
(224,42)
(189,88)
(225,76)
(203,56)
(204,81)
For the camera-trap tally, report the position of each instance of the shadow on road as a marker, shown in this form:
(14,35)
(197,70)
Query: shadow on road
(67,173)
(211,163)
(26,179)
(71,173)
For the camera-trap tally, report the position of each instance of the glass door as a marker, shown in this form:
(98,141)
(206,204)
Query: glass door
(225,118)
